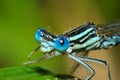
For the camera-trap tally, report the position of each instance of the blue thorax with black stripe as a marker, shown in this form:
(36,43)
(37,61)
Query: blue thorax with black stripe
(84,38)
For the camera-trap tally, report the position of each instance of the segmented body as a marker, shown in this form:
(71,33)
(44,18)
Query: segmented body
(84,38)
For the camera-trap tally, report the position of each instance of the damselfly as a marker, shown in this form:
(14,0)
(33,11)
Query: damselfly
(84,38)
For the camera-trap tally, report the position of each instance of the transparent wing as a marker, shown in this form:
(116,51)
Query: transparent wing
(109,29)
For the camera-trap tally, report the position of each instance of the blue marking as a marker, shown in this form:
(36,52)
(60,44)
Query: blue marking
(45,44)
(46,49)
(93,46)
(109,42)
(117,38)
(38,34)
(87,36)
(91,41)
(81,34)
(61,43)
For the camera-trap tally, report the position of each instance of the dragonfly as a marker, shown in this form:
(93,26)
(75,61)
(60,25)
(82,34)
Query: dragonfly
(83,38)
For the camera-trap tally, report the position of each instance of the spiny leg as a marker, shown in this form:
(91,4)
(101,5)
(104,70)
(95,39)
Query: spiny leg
(84,64)
(33,52)
(36,60)
(46,56)
(76,64)
(98,61)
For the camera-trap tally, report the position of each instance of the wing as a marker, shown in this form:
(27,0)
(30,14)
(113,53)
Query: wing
(110,29)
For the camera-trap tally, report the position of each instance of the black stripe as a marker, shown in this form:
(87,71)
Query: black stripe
(48,36)
(84,49)
(89,37)
(79,30)
(77,41)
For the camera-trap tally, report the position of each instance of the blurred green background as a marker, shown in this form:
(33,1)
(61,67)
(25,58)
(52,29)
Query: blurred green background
(19,19)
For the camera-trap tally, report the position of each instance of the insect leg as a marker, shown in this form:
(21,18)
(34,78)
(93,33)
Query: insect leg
(46,56)
(98,61)
(84,64)
(76,64)
(33,52)
(36,60)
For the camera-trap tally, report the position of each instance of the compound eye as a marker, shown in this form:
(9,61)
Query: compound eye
(38,34)
(61,44)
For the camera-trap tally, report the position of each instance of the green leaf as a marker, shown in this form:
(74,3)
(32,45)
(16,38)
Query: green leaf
(30,73)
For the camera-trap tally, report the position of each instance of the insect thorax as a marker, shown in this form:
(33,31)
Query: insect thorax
(85,38)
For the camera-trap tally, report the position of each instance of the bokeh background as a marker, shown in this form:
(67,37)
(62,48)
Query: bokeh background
(19,19)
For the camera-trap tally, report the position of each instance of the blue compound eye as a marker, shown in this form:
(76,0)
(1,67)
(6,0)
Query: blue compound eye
(38,34)
(61,43)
